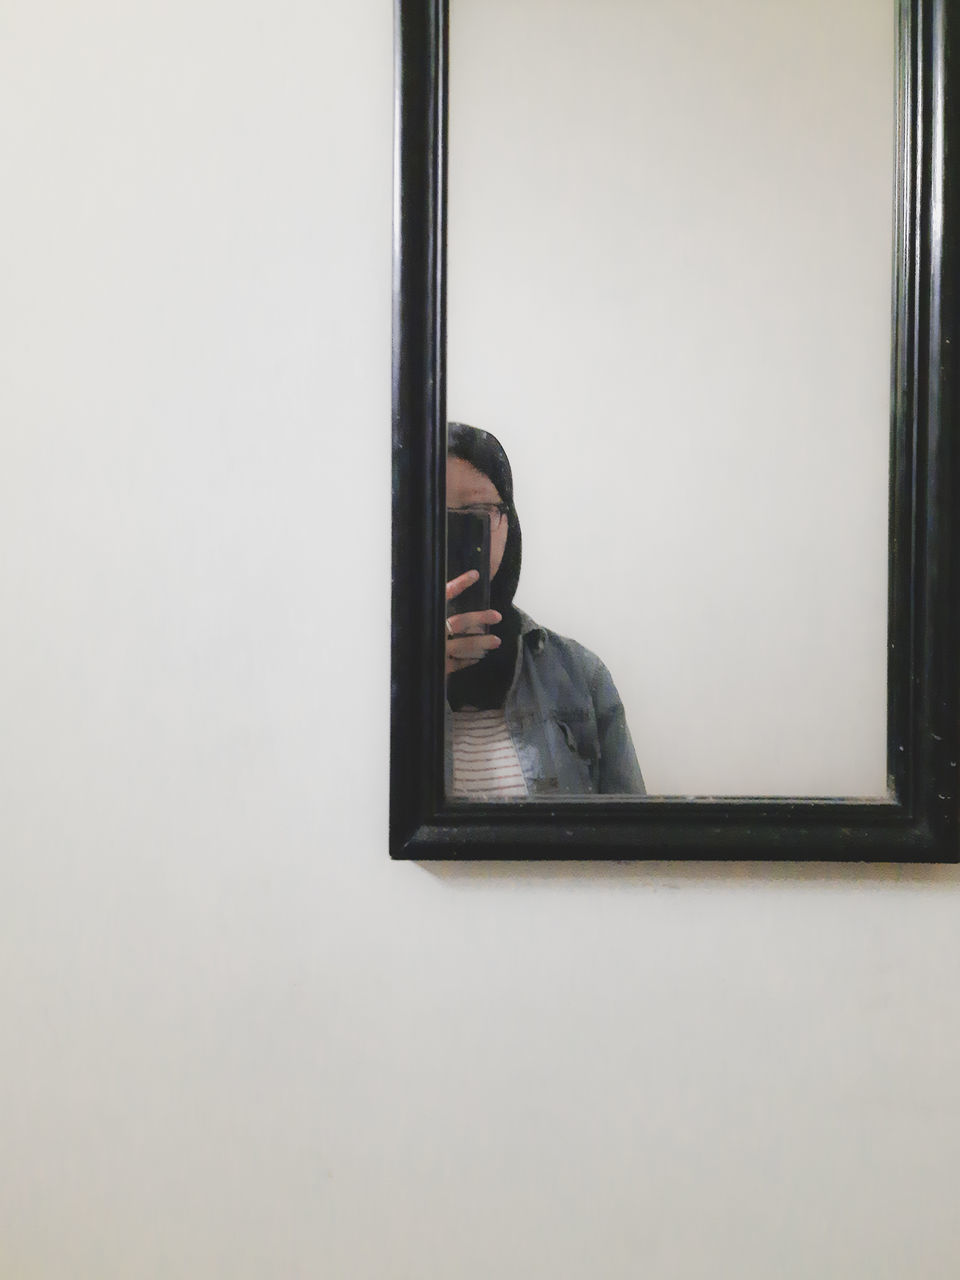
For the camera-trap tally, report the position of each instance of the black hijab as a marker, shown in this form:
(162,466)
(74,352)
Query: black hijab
(486,683)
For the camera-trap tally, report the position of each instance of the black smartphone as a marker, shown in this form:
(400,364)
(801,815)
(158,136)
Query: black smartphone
(468,547)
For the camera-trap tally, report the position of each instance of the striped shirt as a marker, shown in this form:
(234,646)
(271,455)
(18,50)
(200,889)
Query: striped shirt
(485,761)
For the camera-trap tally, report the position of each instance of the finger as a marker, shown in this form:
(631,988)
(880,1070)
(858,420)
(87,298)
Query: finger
(464,624)
(472,646)
(456,585)
(458,664)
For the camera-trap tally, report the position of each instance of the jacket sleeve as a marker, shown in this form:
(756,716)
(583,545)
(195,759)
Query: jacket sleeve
(619,771)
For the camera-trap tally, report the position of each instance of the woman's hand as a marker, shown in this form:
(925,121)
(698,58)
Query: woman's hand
(467,642)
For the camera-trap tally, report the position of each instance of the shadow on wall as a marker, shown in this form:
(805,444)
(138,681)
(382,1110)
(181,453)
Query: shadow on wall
(695,875)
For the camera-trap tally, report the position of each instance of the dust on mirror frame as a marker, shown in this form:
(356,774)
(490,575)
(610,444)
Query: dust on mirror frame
(918,822)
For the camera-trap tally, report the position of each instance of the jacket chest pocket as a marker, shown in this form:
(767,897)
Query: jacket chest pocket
(579,735)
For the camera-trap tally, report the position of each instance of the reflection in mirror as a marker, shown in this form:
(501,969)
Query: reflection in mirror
(531,713)
(669,272)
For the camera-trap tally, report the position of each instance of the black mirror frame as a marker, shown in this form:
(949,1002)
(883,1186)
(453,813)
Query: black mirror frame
(920,820)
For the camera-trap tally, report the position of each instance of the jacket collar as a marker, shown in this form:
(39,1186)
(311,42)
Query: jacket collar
(531,632)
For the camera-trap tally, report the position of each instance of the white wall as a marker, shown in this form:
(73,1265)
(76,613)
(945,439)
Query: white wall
(670,253)
(237,1041)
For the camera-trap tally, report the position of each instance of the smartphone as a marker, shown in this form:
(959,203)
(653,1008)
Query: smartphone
(468,547)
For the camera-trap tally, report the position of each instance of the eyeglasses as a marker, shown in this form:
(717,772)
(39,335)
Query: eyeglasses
(495,510)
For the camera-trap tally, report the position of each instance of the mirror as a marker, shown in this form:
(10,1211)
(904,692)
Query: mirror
(669,269)
(649,248)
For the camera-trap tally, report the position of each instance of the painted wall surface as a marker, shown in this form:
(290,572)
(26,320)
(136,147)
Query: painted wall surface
(237,1041)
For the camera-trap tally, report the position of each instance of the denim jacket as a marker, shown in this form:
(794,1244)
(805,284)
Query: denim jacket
(566,720)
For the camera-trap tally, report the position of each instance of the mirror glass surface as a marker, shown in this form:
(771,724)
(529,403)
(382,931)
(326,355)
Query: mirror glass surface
(669,241)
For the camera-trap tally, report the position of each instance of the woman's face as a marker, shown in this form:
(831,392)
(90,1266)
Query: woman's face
(466,486)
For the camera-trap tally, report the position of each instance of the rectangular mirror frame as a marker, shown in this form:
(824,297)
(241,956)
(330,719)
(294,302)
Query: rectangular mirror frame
(920,819)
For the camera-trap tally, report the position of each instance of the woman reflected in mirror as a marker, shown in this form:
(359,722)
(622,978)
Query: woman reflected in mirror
(530,713)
